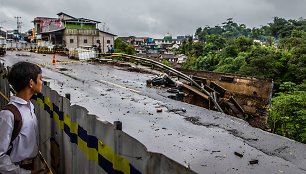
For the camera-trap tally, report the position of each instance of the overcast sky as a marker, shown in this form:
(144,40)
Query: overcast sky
(153,18)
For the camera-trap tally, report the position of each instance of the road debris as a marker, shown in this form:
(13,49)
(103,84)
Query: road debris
(238,154)
(253,162)
(159,110)
(23,54)
(177,110)
(163,79)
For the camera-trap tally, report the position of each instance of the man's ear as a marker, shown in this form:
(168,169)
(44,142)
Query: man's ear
(31,83)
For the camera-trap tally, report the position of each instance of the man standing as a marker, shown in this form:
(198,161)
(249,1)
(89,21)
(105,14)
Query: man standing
(17,156)
(99,49)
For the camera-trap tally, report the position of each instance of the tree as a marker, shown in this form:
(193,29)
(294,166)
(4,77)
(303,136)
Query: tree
(217,42)
(262,62)
(232,65)
(297,64)
(186,46)
(123,47)
(197,49)
(190,62)
(198,32)
(279,27)
(243,44)
(287,115)
(256,33)
(207,62)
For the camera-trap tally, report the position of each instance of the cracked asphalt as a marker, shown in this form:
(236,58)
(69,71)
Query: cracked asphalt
(207,141)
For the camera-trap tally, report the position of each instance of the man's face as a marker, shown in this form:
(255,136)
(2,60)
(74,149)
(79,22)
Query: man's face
(36,87)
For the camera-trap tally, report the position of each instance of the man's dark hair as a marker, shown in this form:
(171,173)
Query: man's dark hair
(21,73)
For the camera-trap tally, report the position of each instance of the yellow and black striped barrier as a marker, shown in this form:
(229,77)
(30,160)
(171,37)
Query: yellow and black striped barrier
(61,62)
(94,148)
(49,51)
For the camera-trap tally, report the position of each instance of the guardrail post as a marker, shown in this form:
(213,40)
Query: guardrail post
(117,138)
(46,83)
(67,95)
(118,125)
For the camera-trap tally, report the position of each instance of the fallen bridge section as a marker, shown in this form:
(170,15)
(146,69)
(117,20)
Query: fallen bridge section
(252,94)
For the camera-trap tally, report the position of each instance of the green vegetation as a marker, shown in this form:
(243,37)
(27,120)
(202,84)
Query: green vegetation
(276,50)
(122,47)
(287,115)
(166,62)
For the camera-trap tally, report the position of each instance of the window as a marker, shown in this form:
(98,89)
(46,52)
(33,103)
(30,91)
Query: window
(71,40)
(85,40)
(108,41)
(38,28)
(98,41)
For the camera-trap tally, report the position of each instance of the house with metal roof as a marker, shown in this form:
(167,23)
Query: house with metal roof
(71,32)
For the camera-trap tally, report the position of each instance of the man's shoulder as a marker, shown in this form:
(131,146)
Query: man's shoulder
(16,100)
(6,116)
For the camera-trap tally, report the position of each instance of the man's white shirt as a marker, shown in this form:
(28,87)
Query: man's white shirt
(25,145)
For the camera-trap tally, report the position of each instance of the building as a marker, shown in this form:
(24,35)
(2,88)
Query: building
(151,46)
(140,44)
(181,58)
(70,32)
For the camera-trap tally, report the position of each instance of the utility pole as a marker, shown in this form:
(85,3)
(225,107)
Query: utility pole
(18,25)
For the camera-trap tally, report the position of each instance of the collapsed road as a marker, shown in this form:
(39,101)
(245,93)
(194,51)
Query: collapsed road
(204,140)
